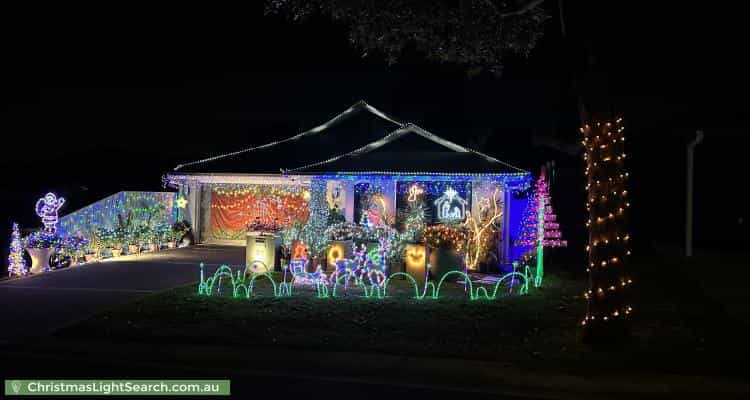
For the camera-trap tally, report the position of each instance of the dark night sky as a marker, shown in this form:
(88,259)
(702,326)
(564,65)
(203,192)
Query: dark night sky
(118,96)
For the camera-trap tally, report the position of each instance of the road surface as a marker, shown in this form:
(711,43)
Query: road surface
(37,305)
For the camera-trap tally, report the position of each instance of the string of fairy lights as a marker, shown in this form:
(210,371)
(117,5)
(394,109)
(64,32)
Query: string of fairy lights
(105,212)
(444,236)
(261,190)
(263,205)
(609,241)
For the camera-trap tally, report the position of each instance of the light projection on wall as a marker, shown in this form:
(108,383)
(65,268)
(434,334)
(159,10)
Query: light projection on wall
(181,202)
(450,206)
(47,208)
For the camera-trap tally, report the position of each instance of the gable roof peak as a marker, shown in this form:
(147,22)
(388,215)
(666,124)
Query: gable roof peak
(353,109)
(403,130)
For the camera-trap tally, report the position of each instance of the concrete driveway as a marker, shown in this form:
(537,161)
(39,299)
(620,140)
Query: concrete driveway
(37,305)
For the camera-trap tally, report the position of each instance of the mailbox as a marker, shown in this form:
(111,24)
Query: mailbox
(260,251)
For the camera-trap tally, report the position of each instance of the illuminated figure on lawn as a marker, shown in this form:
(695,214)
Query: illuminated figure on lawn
(47,208)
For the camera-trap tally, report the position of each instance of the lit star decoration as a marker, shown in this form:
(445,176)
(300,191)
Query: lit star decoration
(609,242)
(451,193)
(181,202)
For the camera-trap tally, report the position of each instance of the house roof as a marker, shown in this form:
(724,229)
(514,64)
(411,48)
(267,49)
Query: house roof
(361,139)
(410,150)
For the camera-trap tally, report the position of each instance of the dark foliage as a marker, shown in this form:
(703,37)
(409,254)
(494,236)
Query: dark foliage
(478,34)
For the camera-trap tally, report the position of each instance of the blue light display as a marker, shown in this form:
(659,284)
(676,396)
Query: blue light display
(103,213)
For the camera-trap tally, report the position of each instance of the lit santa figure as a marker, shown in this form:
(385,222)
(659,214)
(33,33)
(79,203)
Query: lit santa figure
(47,208)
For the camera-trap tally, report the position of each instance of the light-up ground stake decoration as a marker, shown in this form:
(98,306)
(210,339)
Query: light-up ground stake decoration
(368,284)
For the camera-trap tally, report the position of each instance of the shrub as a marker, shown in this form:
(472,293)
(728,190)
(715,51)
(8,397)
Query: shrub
(444,237)
(42,240)
(346,231)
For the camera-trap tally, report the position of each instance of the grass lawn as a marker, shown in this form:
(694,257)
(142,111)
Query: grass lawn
(680,325)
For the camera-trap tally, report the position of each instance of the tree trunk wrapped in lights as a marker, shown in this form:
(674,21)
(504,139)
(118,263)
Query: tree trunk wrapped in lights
(608,306)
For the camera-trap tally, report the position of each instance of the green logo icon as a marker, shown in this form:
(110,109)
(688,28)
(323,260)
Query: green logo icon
(16,386)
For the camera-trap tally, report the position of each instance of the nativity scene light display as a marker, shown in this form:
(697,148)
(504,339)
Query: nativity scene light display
(450,207)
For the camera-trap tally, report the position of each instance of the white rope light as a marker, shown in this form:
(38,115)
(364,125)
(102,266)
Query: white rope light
(360,105)
(361,150)
(240,179)
(403,129)
(451,145)
(409,127)
(427,174)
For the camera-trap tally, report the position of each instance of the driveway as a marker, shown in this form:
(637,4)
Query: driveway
(37,305)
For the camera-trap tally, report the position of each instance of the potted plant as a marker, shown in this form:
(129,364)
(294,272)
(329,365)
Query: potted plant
(41,245)
(119,236)
(106,237)
(74,248)
(171,238)
(95,245)
(151,238)
(133,239)
(90,256)
(446,244)
(161,234)
(145,237)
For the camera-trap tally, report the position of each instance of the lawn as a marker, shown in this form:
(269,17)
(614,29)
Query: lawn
(680,326)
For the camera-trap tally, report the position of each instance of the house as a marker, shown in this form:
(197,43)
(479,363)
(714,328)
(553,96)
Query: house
(360,153)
